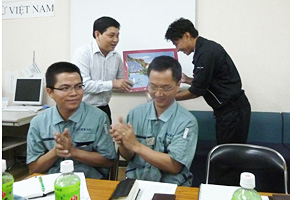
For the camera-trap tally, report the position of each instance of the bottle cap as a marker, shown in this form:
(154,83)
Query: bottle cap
(4,167)
(66,166)
(247,180)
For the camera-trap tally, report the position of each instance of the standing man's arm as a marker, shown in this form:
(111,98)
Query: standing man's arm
(184,95)
(121,83)
(83,59)
(186,79)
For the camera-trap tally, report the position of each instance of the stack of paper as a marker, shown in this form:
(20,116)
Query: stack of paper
(149,188)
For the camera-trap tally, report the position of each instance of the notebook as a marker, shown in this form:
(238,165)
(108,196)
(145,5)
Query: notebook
(32,187)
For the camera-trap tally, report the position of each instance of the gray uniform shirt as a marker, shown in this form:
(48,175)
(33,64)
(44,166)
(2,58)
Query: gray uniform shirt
(175,133)
(86,127)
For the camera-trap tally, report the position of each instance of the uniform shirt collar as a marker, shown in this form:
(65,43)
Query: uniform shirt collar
(165,116)
(75,117)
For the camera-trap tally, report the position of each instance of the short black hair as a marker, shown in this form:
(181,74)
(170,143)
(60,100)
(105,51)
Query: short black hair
(177,29)
(103,23)
(58,68)
(163,63)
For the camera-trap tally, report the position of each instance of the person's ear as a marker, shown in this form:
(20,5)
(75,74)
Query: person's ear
(49,92)
(187,35)
(97,34)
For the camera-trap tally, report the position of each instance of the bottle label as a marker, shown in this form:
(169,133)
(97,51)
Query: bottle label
(7,190)
(71,192)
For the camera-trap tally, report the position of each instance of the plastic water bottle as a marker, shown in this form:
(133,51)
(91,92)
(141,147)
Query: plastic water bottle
(7,183)
(247,192)
(67,185)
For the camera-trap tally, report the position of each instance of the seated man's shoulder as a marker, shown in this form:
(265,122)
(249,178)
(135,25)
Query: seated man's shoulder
(186,113)
(44,114)
(141,108)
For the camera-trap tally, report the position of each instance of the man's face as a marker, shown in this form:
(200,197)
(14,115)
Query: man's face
(184,44)
(66,97)
(108,40)
(162,88)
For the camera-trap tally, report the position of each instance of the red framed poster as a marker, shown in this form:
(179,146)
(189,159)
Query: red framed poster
(136,64)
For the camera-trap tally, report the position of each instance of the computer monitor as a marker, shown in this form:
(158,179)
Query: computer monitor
(28,91)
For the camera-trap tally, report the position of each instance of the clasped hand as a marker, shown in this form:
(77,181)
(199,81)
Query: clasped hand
(64,146)
(123,134)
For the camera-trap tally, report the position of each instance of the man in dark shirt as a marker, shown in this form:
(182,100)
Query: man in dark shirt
(216,78)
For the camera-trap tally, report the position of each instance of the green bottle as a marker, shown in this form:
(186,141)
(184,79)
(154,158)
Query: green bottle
(247,191)
(67,185)
(7,183)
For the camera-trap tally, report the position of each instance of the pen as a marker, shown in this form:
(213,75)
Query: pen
(185,133)
(106,129)
(41,182)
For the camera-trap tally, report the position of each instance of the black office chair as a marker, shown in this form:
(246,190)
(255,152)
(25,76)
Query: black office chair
(225,162)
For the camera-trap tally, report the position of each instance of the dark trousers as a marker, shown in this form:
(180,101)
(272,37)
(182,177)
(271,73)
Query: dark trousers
(107,110)
(233,126)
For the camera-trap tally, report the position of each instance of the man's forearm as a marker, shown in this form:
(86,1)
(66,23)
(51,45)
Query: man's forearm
(184,95)
(91,158)
(43,163)
(159,160)
(125,153)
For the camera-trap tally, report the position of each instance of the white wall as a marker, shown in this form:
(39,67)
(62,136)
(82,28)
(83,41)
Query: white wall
(254,32)
(143,24)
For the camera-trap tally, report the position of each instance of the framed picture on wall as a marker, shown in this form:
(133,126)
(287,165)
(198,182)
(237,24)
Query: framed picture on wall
(136,65)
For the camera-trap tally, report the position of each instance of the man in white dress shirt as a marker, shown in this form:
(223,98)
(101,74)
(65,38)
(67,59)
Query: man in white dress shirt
(101,67)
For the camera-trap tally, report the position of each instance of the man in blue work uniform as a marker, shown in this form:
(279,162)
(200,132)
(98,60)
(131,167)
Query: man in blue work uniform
(70,130)
(216,78)
(159,138)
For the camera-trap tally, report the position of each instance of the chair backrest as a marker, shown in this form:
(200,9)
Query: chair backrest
(286,128)
(265,127)
(225,162)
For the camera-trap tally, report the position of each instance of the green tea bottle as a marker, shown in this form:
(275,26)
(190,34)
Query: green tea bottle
(67,185)
(7,183)
(247,191)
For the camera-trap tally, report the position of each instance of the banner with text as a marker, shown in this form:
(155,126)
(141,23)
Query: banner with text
(27,9)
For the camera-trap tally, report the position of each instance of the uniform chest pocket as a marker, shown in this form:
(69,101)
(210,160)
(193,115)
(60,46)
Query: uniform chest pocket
(146,140)
(84,141)
(49,143)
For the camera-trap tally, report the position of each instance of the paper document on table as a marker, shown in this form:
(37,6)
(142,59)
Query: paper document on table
(211,191)
(32,187)
(149,188)
(22,188)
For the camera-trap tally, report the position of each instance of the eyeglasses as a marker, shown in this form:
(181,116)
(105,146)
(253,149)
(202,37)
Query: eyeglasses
(165,89)
(66,89)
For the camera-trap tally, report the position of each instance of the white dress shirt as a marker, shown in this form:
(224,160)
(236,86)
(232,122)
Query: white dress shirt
(98,72)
